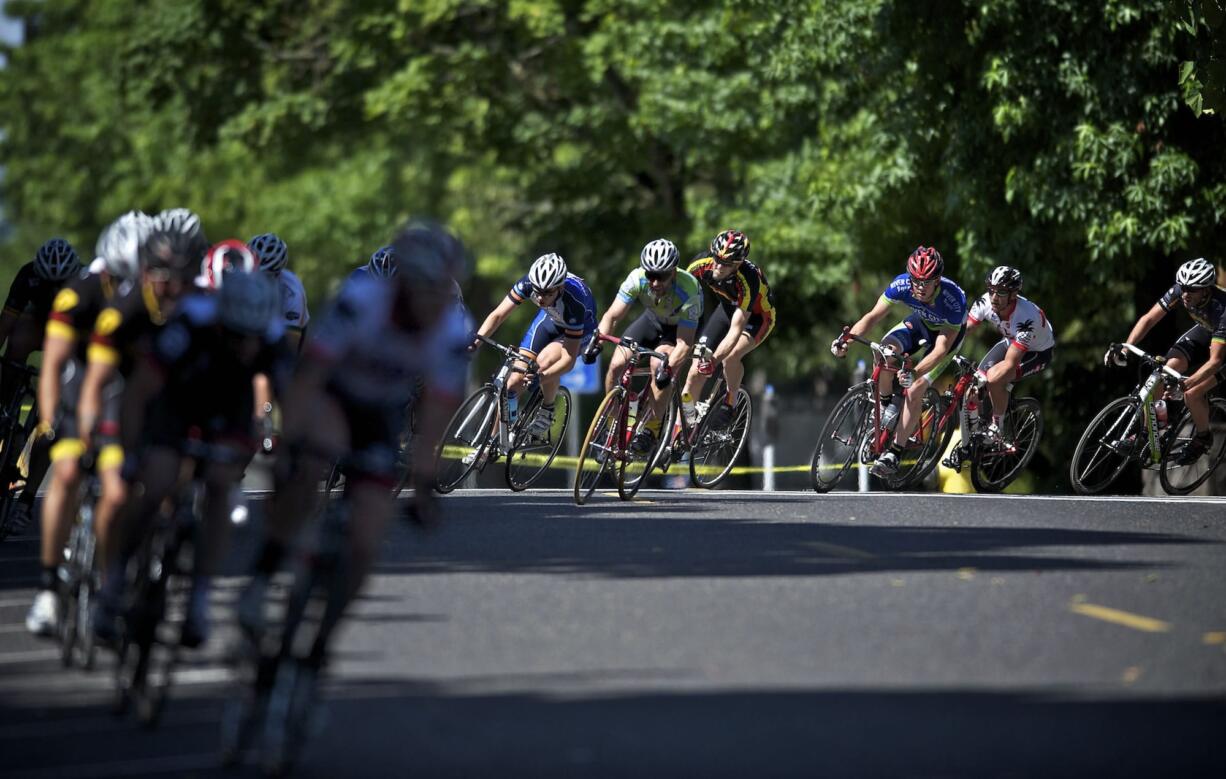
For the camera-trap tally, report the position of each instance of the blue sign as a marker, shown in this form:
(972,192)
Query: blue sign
(583,378)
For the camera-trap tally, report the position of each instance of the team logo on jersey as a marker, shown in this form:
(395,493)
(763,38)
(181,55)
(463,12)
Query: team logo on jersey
(65,300)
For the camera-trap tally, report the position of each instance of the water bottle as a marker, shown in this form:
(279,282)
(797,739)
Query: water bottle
(512,409)
(1160,412)
(689,409)
(889,413)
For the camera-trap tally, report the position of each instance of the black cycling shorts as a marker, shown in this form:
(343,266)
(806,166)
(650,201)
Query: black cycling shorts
(720,321)
(649,332)
(1032,362)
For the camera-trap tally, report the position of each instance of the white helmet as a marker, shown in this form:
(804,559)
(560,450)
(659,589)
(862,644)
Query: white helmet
(119,245)
(272,251)
(547,272)
(658,256)
(1196,274)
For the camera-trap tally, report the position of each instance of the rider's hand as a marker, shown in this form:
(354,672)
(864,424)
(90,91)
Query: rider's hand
(474,346)
(1115,356)
(592,351)
(838,347)
(664,375)
(706,366)
(906,377)
(43,430)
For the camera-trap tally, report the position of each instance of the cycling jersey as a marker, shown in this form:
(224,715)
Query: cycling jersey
(573,310)
(1209,316)
(31,292)
(294,297)
(376,360)
(680,306)
(75,308)
(746,288)
(1025,325)
(947,311)
(122,328)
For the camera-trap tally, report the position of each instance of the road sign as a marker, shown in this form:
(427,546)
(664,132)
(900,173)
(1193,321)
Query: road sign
(583,378)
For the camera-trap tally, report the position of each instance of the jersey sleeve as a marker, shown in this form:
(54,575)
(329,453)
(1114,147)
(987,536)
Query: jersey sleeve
(520,291)
(898,291)
(629,291)
(19,291)
(981,309)
(691,309)
(66,312)
(1170,299)
(748,288)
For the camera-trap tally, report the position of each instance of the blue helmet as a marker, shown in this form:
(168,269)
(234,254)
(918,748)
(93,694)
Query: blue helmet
(383,263)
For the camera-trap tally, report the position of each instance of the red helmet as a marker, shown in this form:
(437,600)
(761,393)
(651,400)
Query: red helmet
(730,246)
(229,255)
(925,263)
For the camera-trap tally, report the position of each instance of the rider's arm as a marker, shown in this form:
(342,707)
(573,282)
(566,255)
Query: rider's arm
(616,313)
(1008,366)
(1145,324)
(1208,371)
(57,349)
(681,352)
(875,315)
(940,347)
(497,317)
(740,318)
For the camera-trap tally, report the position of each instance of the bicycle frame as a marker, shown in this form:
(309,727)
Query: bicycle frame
(880,439)
(1146,393)
(631,370)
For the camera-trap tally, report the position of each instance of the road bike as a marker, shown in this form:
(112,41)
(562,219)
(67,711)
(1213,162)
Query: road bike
(476,435)
(712,450)
(15,433)
(995,461)
(1128,431)
(854,432)
(78,575)
(622,414)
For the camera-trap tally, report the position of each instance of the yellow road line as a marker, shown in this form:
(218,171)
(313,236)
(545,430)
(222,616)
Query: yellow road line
(1118,617)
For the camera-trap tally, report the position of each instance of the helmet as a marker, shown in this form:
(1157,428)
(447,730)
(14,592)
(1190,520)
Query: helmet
(382,263)
(247,303)
(223,257)
(925,263)
(1005,276)
(427,254)
(272,251)
(56,260)
(1195,274)
(119,245)
(172,252)
(730,246)
(547,272)
(659,256)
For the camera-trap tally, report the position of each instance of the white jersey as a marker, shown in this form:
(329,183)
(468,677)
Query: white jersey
(293,297)
(1025,327)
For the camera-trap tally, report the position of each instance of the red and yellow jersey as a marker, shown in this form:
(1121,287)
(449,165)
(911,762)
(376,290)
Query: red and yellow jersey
(746,288)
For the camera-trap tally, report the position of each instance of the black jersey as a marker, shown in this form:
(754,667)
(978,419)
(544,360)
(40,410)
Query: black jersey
(1211,316)
(123,328)
(75,308)
(31,293)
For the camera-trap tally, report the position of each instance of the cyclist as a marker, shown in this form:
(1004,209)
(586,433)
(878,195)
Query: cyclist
(197,384)
(1026,347)
(743,319)
(274,260)
(566,317)
(1204,345)
(381,265)
(73,313)
(347,400)
(26,309)
(673,299)
(937,322)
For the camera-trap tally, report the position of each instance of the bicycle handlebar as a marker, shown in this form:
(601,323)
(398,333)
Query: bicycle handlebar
(510,352)
(886,352)
(1157,362)
(632,345)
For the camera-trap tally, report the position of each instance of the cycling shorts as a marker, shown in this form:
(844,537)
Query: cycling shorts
(1032,362)
(717,325)
(1193,346)
(649,332)
(544,331)
(912,334)
(68,443)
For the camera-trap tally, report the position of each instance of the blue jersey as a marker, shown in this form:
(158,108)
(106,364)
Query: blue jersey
(574,310)
(947,311)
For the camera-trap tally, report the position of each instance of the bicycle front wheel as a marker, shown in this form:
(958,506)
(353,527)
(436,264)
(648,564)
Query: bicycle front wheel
(841,439)
(1180,479)
(531,456)
(1113,439)
(467,440)
(716,450)
(994,468)
(599,446)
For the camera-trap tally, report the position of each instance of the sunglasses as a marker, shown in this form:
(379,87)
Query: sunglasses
(726,263)
(924,283)
(1000,292)
(661,275)
(538,293)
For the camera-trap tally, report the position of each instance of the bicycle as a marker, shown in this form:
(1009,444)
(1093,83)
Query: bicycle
(994,462)
(620,416)
(1127,431)
(475,436)
(712,452)
(78,574)
(156,603)
(854,429)
(14,437)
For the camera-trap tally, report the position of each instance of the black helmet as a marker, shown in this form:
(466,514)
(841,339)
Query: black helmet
(1005,276)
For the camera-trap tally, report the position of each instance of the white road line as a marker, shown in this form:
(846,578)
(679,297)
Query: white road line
(10,658)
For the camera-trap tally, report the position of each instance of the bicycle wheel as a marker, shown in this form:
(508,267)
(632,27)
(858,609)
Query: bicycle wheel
(993,469)
(715,451)
(531,456)
(468,438)
(634,468)
(1181,479)
(70,628)
(841,438)
(1113,439)
(598,446)
(923,447)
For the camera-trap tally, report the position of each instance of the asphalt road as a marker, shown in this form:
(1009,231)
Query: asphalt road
(728,634)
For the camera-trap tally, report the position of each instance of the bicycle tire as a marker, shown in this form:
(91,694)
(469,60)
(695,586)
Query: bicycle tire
(928,452)
(855,406)
(738,434)
(1124,411)
(476,417)
(557,433)
(629,483)
(1025,421)
(1217,416)
(587,477)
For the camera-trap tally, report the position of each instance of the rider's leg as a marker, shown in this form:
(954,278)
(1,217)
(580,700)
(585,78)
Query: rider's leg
(1197,400)
(659,397)
(911,411)
(734,364)
(617,364)
(219,480)
(554,361)
(57,511)
(111,499)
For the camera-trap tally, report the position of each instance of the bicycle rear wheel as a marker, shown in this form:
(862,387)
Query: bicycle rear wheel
(841,439)
(715,451)
(599,445)
(993,469)
(1113,439)
(634,468)
(467,440)
(528,459)
(1181,479)
(924,447)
